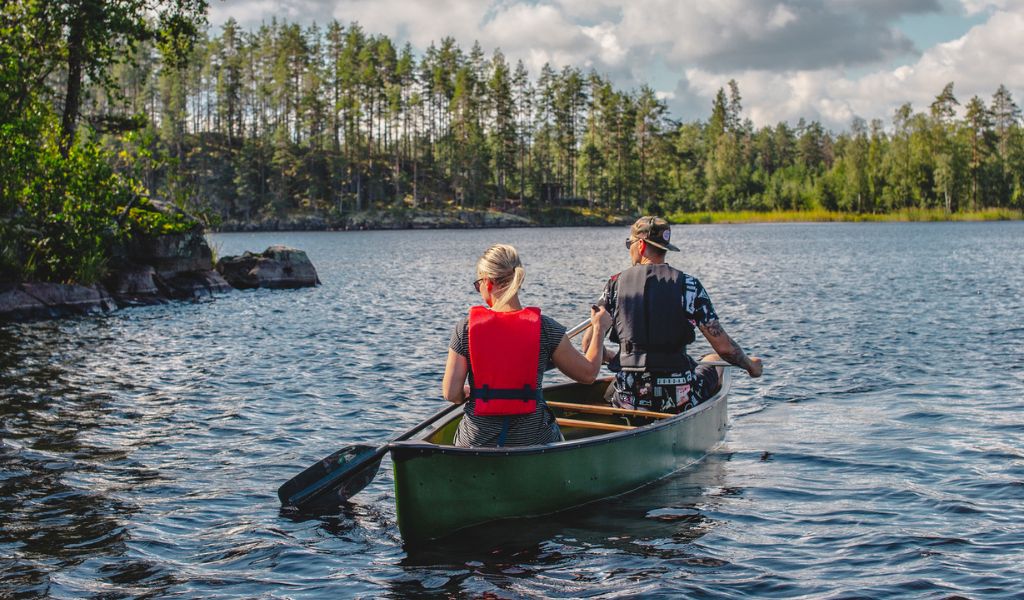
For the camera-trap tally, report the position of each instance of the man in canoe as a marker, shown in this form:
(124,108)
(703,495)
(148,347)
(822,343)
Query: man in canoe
(655,309)
(504,349)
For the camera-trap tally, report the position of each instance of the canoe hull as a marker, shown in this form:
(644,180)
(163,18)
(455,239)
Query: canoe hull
(441,489)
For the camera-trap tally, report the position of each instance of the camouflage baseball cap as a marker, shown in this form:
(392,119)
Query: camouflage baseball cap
(655,231)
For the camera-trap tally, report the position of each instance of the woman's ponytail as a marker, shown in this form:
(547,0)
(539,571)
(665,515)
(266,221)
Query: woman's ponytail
(501,264)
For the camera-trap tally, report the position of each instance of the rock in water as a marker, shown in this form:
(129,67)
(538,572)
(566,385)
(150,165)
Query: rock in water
(49,300)
(277,267)
(134,284)
(176,265)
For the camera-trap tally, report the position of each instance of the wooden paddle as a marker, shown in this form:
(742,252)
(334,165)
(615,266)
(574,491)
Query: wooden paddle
(337,477)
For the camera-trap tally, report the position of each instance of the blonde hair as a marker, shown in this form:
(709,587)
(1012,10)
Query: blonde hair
(501,264)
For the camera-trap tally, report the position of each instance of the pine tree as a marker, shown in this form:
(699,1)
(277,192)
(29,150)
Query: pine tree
(979,129)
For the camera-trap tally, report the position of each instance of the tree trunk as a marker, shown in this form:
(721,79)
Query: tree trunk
(73,97)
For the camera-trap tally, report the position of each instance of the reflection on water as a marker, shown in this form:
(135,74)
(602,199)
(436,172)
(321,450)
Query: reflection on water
(56,496)
(140,452)
(559,553)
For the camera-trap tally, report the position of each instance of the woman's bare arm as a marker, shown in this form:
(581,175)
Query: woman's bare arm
(455,371)
(584,367)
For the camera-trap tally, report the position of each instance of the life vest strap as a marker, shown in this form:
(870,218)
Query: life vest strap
(488,393)
(631,347)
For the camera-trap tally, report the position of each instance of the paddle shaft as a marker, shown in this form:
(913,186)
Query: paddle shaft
(312,483)
(381,450)
(575,331)
(718,363)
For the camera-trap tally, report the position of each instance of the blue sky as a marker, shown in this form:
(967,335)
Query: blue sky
(830,60)
(929,29)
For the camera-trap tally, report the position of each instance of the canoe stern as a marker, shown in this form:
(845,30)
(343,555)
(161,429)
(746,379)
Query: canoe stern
(441,489)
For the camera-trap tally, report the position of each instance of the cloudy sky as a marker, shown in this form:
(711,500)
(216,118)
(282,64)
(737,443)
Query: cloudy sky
(831,60)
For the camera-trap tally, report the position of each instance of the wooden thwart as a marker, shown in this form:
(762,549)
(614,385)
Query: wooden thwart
(610,410)
(593,425)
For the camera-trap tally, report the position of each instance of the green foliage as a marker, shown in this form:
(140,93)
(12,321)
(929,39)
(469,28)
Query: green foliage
(63,215)
(67,201)
(60,211)
(149,222)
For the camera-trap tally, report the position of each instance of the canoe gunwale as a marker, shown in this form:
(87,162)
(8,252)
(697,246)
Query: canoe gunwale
(411,448)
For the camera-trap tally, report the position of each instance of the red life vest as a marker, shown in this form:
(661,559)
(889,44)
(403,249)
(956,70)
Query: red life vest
(504,349)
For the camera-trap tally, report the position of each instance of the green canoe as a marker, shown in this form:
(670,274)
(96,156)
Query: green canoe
(440,489)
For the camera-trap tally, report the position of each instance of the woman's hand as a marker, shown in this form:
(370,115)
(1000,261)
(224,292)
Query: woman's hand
(600,320)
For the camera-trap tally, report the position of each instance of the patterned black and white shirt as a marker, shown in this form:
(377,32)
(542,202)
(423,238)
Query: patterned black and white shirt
(696,302)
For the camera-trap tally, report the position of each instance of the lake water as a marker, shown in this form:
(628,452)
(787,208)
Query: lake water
(881,455)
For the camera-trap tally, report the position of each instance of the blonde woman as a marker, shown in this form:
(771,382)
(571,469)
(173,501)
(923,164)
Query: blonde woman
(504,350)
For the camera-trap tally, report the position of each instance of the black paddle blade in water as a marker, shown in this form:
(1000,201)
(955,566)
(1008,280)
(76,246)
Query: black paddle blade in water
(332,480)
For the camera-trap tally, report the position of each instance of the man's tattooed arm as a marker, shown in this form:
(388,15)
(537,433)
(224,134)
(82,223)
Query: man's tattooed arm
(724,345)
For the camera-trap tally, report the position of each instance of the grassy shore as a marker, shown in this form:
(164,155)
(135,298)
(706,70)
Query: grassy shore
(474,218)
(792,216)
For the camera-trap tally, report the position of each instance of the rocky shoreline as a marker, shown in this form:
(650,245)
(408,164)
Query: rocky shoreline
(160,268)
(424,219)
(155,270)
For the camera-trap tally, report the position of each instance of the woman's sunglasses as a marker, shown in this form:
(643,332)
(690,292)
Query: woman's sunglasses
(476,284)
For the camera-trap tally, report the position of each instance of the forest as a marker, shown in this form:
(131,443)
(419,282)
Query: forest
(109,107)
(286,119)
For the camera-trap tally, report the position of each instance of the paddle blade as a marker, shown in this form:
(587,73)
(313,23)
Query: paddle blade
(332,480)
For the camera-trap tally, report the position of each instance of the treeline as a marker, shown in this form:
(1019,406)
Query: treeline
(285,120)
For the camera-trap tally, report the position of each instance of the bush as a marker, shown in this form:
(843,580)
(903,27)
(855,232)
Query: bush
(61,217)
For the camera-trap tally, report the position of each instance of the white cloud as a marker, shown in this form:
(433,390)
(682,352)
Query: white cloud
(419,23)
(542,33)
(828,59)
(985,57)
(612,52)
(780,17)
(976,6)
(251,13)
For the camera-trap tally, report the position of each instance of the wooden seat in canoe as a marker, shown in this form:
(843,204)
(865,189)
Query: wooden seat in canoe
(608,410)
(593,425)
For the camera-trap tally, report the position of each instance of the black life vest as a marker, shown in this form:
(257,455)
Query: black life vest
(650,323)
(504,350)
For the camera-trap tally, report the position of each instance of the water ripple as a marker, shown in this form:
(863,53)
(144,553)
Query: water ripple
(882,455)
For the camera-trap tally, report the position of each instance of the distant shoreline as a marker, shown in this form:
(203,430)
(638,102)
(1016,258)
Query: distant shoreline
(578,217)
(825,216)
